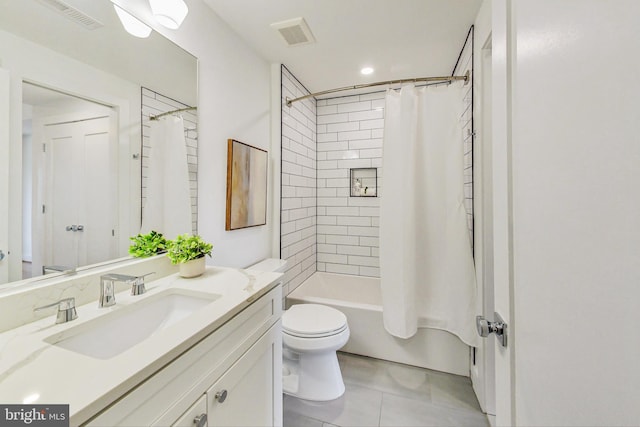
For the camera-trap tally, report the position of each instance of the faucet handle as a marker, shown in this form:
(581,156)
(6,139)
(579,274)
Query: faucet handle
(66,309)
(137,285)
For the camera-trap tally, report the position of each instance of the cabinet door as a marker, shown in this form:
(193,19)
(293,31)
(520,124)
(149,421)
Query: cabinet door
(196,416)
(248,394)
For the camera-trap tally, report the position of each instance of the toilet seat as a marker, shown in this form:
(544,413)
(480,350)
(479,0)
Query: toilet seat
(313,321)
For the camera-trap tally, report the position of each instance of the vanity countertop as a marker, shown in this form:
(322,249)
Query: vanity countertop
(34,371)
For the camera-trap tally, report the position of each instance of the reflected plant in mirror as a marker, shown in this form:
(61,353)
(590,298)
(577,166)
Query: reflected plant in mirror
(146,245)
(76,147)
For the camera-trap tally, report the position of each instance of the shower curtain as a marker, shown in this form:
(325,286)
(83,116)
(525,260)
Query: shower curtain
(426,265)
(168,203)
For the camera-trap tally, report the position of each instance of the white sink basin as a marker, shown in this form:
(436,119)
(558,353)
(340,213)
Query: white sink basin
(113,333)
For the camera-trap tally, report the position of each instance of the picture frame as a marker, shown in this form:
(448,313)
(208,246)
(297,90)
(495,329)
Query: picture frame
(247,168)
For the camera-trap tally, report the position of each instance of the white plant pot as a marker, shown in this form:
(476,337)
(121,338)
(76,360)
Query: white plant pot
(193,268)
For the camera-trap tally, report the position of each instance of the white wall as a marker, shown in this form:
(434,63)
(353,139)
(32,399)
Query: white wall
(233,102)
(576,207)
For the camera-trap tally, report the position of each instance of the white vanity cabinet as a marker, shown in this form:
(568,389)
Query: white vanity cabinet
(245,395)
(233,376)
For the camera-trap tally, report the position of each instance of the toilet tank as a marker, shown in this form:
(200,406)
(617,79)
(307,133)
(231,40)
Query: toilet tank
(270,264)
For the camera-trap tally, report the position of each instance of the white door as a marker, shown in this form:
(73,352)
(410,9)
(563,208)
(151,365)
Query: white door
(4,175)
(502,231)
(80,185)
(483,366)
(492,372)
(575,207)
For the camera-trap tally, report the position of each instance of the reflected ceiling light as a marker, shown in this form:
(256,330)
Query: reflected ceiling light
(366,71)
(133,25)
(31,399)
(169,13)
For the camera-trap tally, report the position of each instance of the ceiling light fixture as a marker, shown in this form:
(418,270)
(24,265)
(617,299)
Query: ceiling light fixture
(133,25)
(32,398)
(169,13)
(366,71)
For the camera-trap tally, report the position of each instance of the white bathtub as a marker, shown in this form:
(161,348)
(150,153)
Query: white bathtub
(359,298)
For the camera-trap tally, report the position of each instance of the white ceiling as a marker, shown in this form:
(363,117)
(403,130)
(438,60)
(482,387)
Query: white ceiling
(398,38)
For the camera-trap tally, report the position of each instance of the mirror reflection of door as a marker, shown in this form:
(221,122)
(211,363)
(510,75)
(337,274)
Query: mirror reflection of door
(73,192)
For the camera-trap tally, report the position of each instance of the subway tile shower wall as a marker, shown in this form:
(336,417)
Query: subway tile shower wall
(298,209)
(466,63)
(350,131)
(153,104)
(348,134)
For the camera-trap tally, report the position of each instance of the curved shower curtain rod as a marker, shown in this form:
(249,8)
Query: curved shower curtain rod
(465,78)
(156,117)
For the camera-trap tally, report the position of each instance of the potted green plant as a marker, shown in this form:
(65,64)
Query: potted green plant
(188,252)
(146,245)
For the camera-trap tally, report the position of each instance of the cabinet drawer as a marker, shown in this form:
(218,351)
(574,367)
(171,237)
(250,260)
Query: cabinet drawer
(176,386)
(191,418)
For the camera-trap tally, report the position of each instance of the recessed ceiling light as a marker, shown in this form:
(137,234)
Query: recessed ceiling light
(366,71)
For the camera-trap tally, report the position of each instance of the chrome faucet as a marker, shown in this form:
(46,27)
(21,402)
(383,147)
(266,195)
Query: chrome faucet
(66,309)
(107,287)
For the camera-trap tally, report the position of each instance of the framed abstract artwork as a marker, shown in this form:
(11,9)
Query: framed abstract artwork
(246,185)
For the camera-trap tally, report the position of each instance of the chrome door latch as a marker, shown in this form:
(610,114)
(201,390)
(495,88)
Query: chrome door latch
(486,327)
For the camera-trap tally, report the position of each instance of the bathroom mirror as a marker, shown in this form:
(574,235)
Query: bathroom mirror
(70,53)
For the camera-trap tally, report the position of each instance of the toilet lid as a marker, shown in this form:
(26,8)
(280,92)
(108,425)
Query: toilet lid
(313,320)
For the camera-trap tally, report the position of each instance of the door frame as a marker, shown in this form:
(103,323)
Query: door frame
(5,104)
(125,105)
(502,63)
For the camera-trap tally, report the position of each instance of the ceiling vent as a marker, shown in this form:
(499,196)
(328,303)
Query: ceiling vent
(73,14)
(295,32)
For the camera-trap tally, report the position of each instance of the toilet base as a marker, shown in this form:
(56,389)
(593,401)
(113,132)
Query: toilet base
(313,376)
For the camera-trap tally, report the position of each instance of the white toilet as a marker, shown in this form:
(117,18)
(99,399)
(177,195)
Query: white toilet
(311,335)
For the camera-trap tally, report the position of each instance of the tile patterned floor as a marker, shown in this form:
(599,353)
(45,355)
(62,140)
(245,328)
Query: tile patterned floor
(387,394)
